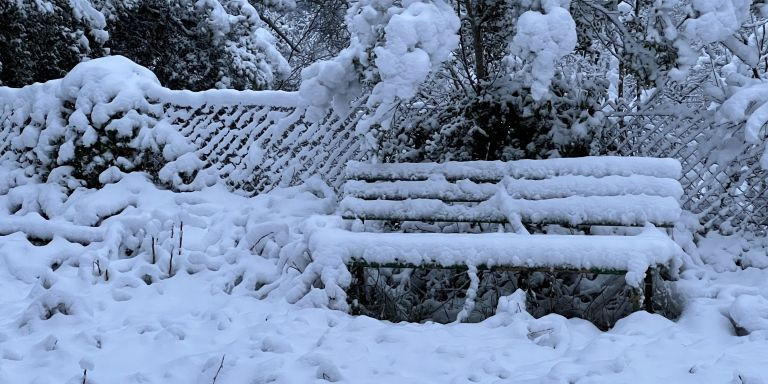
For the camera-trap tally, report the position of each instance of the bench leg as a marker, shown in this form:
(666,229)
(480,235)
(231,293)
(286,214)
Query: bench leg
(649,290)
(635,296)
(358,274)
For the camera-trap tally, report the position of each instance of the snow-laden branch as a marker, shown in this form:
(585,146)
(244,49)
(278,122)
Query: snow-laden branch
(542,39)
(392,50)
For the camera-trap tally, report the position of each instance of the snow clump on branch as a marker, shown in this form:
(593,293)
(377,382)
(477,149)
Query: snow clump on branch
(392,49)
(542,39)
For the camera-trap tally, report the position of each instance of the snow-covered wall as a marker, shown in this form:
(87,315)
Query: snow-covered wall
(110,116)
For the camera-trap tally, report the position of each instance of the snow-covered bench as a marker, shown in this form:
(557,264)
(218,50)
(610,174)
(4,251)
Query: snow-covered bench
(574,193)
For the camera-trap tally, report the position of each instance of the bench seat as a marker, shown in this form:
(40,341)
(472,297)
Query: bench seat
(632,255)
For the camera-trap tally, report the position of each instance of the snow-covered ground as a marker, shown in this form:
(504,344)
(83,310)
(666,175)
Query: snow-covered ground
(223,315)
(180,330)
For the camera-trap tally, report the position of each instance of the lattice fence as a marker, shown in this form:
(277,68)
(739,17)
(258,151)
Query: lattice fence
(254,140)
(280,146)
(722,178)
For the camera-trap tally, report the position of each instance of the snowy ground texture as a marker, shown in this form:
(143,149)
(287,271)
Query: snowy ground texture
(82,294)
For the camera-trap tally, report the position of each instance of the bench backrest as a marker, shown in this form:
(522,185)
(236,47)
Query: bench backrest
(606,190)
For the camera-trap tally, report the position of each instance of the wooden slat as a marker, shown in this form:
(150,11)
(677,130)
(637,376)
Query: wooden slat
(556,187)
(629,210)
(485,171)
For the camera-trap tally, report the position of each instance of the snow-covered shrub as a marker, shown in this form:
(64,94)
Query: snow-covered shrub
(718,21)
(506,123)
(130,233)
(748,105)
(248,57)
(96,123)
(512,91)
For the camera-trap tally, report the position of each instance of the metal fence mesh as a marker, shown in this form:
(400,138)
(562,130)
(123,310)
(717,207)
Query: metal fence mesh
(723,182)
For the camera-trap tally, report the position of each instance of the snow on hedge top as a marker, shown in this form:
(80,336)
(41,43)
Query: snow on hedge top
(107,85)
(521,169)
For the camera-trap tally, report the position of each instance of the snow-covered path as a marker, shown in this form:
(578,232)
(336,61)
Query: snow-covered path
(179,330)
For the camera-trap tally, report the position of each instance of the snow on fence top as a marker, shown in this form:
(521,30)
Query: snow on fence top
(253,140)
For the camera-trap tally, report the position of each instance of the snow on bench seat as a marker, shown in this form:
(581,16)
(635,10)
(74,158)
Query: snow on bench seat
(557,187)
(633,254)
(520,169)
(630,210)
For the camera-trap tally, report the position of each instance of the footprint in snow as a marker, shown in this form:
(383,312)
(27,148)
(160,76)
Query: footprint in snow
(275,345)
(120,295)
(326,369)
(8,354)
(385,337)
(495,369)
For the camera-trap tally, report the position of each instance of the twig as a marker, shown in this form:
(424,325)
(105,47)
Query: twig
(279,32)
(181,235)
(170,265)
(221,365)
(181,238)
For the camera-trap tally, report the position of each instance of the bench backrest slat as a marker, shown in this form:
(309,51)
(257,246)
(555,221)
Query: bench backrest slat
(615,191)
(556,187)
(629,210)
(521,169)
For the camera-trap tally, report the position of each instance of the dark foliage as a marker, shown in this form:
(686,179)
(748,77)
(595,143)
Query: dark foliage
(38,46)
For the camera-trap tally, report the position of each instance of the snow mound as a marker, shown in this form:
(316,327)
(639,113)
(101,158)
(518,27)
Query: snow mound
(750,313)
(130,233)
